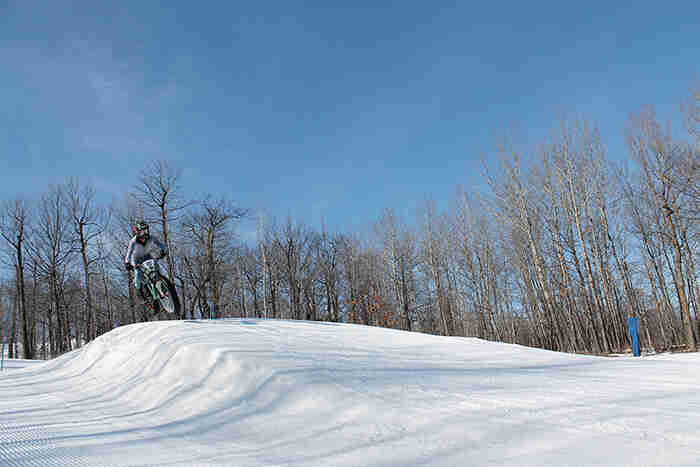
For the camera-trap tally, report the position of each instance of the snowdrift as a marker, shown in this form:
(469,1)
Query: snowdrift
(270,393)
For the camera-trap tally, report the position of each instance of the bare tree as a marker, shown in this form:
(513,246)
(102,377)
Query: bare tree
(434,260)
(400,256)
(293,242)
(118,235)
(660,159)
(159,190)
(52,247)
(518,204)
(14,220)
(692,110)
(350,253)
(210,230)
(252,271)
(328,260)
(88,225)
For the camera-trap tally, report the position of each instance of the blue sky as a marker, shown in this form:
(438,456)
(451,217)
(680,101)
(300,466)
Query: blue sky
(320,109)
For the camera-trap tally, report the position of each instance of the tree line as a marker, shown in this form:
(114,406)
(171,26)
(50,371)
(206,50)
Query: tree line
(562,249)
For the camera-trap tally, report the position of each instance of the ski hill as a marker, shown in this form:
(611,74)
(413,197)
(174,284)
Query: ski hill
(247,392)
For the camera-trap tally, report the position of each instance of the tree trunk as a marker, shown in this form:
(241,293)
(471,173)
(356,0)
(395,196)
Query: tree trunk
(680,280)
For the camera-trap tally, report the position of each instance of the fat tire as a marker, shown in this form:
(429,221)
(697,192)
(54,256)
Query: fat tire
(172,294)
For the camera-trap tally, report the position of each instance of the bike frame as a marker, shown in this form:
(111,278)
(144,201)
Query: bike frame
(152,272)
(157,285)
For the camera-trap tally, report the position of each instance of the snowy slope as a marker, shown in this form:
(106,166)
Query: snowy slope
(16,363)
(289,393)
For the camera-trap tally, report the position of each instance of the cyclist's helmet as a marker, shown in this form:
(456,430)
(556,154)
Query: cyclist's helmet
(140,229)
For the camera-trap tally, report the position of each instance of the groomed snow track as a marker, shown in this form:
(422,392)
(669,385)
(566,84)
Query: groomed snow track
(293,393)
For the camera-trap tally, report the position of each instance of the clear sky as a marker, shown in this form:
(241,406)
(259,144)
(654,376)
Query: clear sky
(320,109)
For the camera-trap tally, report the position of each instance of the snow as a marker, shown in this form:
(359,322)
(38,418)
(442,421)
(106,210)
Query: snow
(294,393)
(17,363)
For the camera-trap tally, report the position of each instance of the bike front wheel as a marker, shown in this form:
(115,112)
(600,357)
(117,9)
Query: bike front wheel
(168,297)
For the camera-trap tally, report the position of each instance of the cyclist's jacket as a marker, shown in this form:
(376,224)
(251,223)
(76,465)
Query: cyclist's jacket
(137,252)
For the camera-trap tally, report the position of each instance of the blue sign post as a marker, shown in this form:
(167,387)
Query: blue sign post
(633,324)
